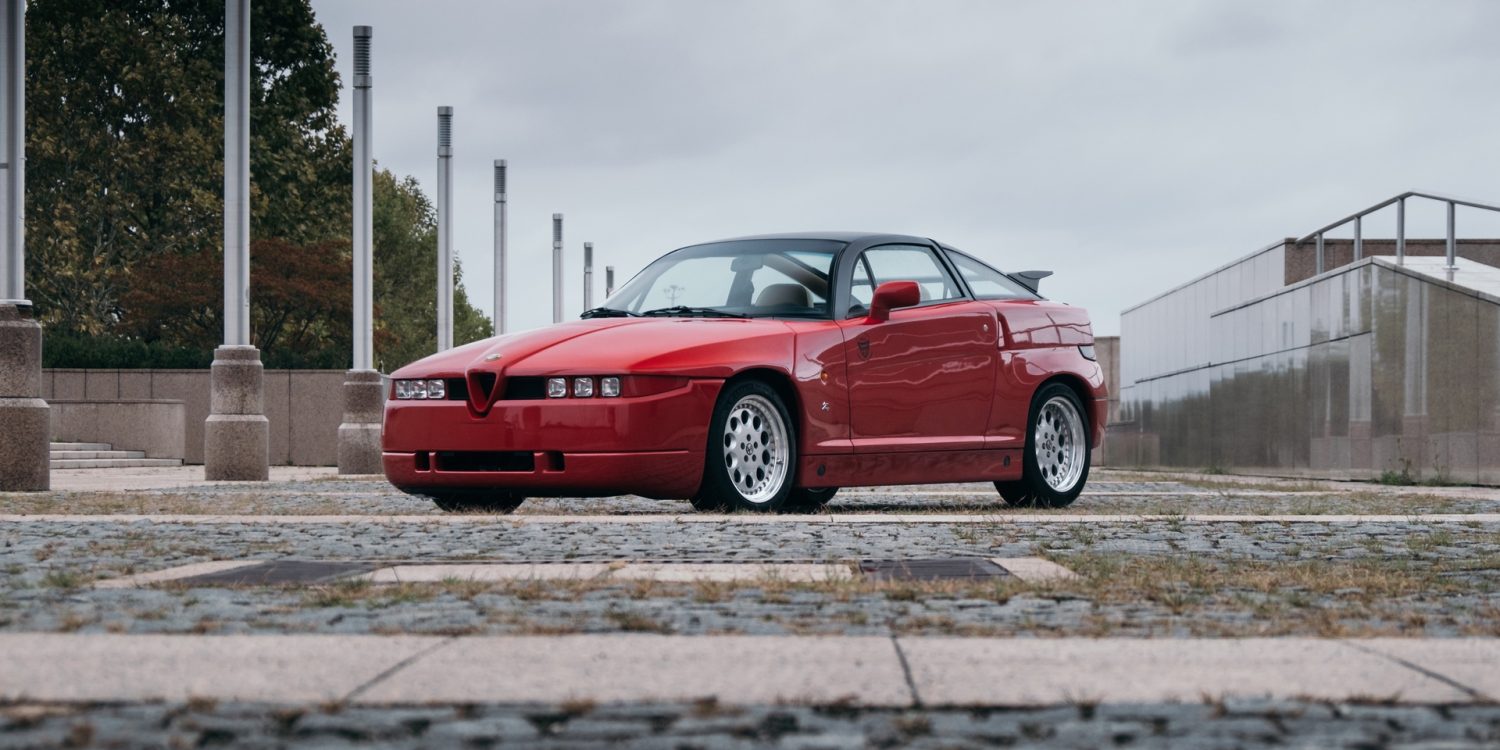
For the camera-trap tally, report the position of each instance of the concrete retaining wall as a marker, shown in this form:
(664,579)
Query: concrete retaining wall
(157,427)
(304,407)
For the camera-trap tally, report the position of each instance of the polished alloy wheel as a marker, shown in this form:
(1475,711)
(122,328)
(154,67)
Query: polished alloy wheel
(756,448)
(1059,443)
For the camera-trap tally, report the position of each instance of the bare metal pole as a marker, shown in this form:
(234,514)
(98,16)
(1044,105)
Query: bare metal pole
(13,125)
(237,173)
(557,268)
(1452,239)
(500,246)
(1401,232)
(588,275)
(445,230)
(364,305)
(1359,241)
(359,432)
(609,281)
(1320,254)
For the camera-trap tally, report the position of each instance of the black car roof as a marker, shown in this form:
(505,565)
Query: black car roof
(836,236)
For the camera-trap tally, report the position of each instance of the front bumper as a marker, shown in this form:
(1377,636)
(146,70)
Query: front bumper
(651,445)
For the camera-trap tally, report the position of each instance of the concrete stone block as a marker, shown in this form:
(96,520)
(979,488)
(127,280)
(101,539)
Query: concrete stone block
(135,385)
(237,381)
(236,447)
(359,434)
(101,385)
(277,399)
(24,433)
(157,428)
(68,385)
(317,412)
(192,388)
(20,353)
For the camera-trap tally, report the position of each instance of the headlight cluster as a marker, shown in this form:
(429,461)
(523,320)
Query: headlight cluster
(421,389)
(583,387)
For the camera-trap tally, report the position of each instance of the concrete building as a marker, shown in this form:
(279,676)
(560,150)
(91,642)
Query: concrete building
(1386,363)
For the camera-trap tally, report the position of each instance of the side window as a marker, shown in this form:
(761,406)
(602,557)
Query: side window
(900,263)
(986,282)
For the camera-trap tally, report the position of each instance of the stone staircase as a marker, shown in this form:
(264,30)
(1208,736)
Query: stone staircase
(102,456)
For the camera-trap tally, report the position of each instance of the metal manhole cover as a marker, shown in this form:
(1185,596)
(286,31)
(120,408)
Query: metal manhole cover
(274,572)
(943,568)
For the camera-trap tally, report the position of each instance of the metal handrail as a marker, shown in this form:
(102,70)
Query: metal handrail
(1357,218)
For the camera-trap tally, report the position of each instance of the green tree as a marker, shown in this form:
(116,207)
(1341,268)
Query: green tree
(125,142)
(404,235)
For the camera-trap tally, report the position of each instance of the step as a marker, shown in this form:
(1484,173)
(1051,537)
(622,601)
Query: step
(82,446)
(82,455)
(114,463)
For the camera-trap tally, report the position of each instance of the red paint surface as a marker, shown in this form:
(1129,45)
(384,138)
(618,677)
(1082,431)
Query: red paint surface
(937,393)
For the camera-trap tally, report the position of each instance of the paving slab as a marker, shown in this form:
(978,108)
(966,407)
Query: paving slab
(291,668)
(487,572)
(862,671)
(166,477)
(1473,663)
(1034,569)
(1027,672)
(730,572)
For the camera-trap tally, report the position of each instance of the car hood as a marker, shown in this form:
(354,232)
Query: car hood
(695,347)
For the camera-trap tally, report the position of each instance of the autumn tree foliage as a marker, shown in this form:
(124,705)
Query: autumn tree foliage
(125,178)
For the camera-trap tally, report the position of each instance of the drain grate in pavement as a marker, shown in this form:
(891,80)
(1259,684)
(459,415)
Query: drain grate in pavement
(279,572)
(939,569)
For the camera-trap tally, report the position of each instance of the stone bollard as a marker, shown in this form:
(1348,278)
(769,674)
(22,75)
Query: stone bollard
(25,426)
(237,436)
(359,435)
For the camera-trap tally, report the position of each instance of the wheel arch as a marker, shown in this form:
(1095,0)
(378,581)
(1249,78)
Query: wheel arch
(1080,388)
(781,383)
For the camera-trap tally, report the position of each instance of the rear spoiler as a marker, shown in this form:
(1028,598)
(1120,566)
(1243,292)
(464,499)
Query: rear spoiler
(1030,279)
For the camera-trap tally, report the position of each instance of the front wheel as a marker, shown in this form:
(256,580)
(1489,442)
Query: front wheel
(1056,461)
(493,501)
(751,451)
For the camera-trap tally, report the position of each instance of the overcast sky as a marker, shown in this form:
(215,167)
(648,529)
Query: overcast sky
(1128,146)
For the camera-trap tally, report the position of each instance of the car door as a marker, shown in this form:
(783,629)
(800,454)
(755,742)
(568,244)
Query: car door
(924,378)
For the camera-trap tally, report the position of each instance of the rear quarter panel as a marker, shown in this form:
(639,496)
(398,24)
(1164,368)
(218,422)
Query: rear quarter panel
(1041,340)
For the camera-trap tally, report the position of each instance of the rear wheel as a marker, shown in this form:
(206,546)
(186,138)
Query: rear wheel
(490,501)
(1056,461)
(751,451)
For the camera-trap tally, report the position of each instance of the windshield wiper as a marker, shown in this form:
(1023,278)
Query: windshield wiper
(686,311)
(607,312)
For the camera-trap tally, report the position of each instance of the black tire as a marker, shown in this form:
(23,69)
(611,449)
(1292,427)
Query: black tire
(744,457)
(489,501)
(1034,490)
(808,499)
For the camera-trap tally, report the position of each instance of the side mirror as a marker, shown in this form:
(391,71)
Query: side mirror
(891,295)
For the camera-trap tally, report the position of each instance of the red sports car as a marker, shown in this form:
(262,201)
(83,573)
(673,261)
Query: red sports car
(764,373)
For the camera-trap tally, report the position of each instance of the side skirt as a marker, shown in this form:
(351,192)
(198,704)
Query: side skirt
(918,467)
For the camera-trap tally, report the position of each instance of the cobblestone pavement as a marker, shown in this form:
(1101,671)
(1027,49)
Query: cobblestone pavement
(1162,578)
(1107,493)
(1235,724)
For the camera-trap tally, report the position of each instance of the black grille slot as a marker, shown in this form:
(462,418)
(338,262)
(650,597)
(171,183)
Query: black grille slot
(484,461)
(486,383)
(520,389)
(458,389)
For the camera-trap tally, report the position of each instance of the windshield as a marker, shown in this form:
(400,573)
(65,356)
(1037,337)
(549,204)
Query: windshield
(752,278)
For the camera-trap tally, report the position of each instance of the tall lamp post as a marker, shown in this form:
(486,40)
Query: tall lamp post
(24,420)
(236,437)
(557,268)
(588,275)
(445,230)
(364,394)
(500,218)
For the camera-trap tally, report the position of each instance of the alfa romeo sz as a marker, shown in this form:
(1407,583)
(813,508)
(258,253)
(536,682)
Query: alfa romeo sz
(764,373)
